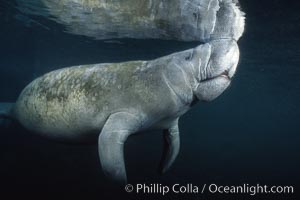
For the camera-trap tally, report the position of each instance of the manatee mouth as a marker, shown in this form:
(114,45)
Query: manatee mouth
(224,74)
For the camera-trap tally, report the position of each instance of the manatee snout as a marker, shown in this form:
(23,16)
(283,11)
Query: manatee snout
(219,65)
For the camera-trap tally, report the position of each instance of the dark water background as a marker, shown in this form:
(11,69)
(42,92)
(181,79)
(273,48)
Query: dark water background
(250,134)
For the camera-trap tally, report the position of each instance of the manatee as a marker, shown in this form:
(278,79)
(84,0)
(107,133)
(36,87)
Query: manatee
(185,20)
(112,101)
(109,102)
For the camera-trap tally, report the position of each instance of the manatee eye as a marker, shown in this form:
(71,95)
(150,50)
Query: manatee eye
(189,56)
(195,15)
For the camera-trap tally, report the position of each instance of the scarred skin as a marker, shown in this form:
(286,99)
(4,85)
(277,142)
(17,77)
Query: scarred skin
(112,101)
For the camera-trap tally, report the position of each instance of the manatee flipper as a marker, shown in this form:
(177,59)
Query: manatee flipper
(111,144)
(171,139)
(5,113)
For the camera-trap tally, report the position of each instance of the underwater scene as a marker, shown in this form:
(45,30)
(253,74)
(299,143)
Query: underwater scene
(232,94)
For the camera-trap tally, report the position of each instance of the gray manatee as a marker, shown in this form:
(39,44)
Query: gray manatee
(186,20)
(112,101)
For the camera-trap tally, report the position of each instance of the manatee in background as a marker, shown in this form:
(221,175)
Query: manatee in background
(186,20)
(109,102)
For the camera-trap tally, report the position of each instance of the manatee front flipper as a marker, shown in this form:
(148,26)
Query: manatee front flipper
(6,113)
(111,144)
(171,147)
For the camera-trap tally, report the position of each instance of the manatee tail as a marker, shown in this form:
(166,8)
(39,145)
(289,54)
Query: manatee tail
(6,112)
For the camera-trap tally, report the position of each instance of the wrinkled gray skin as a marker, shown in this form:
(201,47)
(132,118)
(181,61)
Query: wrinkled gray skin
(112,101)
(186,20)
